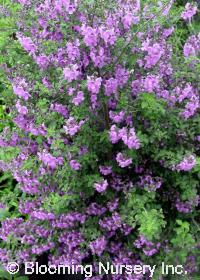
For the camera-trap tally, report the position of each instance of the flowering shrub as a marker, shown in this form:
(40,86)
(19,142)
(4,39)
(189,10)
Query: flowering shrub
(105,139)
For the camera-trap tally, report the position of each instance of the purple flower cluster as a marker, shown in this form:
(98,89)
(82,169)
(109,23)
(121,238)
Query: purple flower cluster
(192,46)
(74,164)
(59,108)
(187,163)
(150,183)
(148,247)
(128,137)
(190,11)
(50,160)
(72,126)
(187,206)
(27,44)
(98,246)
(93,86)
(154,53)
(20,88)
(111,224)
(41,215)
(101,186)
(71,73)
(10,226)
(123,161)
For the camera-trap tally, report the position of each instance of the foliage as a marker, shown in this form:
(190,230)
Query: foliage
(103,133)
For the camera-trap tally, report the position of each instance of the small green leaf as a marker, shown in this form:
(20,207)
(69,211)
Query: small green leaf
(4,274)
(22,278)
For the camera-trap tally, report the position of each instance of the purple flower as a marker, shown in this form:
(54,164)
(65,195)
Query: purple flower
(112,205)
(117,117)
(129,19)
(46,83)
(98,246)
(108,35)
(83,150)
(2,206)
(99,57)
(111,223)
(95,209)
(101,186)
(114,134)
(154,53)
(78,99)
(4,257)
(73,50)
(59,108)
(28,206)
(9,226)
(151,82)
(121,75)
(69,220)
(122,161)
(42,61)
(38,250)
(111,86)
(198,138)
(168,31)
(187,206)
(148,247)
(90,35)
(187,163)
(24,2)
(192,46)
(150,183)
(191,107)
(94,84)
(167,8)
(20,88)
(189,12)
(105,170)
(72,240)
(136,87)
(72,126)
(191,264)
(74,164)
(129,138)
(90,80)
(71,73)
(50,160)
(126,229)
(27,44)
(21,109)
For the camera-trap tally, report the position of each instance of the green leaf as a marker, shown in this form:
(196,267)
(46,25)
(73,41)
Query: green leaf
(152,107)
(4,274)
(22,278)
(4,213)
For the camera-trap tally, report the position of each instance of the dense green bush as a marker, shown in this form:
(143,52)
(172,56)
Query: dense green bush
(103,136)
